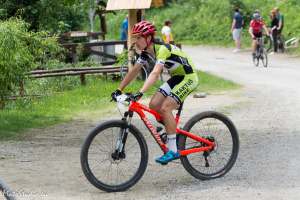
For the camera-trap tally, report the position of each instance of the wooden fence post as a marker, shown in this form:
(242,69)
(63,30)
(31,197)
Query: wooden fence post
(2,104)
(82,79)
(132,19)
(21,91)
(74,54)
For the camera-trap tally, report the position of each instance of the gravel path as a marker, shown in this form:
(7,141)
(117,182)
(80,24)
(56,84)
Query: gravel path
(46,164)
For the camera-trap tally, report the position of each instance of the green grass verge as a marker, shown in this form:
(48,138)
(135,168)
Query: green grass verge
(210,83)
(21,115)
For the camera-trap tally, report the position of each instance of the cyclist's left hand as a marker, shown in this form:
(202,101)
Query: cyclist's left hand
(137,96)
(115,94)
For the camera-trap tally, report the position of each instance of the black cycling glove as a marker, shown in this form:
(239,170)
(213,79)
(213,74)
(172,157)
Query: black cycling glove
(137,96)
(115,94)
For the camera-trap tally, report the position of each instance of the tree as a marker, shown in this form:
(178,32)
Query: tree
(20,51)
(44,14)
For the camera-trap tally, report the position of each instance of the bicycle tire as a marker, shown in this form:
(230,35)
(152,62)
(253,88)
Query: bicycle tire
(255,60)
(123,71)
(281,44)
(142,165)
(142,76)
(269,44)
(186,160)
(6,191)
(264,58)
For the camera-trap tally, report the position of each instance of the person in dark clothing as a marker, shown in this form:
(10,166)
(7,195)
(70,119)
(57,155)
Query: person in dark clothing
(274,29)
(280,18)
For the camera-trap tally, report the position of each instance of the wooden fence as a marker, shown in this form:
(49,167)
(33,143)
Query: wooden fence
(88,46)
(75,72)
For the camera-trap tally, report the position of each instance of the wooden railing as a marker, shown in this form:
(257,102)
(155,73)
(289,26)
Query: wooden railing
(71,47)
(75,72)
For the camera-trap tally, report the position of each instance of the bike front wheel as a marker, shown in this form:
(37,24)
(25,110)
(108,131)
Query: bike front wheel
(264,58)
(112,161)
(255,59)
(217,162)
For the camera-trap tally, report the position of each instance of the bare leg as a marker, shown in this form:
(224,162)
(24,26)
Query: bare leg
(238,44)
(156,101)
(167,107)
(254,44)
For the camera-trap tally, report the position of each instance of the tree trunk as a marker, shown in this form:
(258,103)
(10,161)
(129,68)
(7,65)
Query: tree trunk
(2,104)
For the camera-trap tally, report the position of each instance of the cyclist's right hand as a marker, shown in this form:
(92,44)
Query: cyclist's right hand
(115,94)
(137,96)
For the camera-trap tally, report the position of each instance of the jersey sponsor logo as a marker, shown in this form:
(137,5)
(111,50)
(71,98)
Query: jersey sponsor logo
(185,89)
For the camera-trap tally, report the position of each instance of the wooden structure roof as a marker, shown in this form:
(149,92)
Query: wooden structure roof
(128,4)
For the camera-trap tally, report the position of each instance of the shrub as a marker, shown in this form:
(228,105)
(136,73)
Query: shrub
(20,51)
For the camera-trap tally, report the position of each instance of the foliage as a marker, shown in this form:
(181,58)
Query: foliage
(55,16)
(20,51)
(52,85)
(122,58)
(209,21)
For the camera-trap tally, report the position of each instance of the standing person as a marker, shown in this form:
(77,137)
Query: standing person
(171,94)
(280,18)
(256,30)
(124,29)
(274,29)
(167,33)
(236,29)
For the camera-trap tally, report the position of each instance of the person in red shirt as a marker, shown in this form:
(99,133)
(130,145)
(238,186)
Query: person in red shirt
(256,30)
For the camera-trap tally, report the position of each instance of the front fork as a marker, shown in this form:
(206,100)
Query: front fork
(122,137)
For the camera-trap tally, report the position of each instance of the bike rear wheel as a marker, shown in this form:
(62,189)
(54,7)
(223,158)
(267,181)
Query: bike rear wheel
(105,167)
(215,163)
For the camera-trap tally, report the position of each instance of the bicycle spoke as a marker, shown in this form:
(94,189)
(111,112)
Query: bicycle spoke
(112,168)
(211,163)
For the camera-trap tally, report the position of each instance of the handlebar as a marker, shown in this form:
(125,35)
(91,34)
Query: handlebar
(127,98)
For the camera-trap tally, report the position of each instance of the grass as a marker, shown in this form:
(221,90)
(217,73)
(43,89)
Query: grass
(25,114)
(210,83)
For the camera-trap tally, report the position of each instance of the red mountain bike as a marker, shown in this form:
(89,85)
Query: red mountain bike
(114,156)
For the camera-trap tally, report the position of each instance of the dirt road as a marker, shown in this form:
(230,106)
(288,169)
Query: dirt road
(266,113)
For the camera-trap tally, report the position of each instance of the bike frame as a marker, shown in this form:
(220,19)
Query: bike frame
(140,109)
(260,44)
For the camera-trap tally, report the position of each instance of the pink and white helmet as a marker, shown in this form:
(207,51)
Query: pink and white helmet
(143,28)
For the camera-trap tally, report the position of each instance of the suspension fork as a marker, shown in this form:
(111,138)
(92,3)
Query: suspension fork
(124,132)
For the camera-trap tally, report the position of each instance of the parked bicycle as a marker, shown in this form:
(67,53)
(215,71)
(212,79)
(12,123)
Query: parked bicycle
(269,43)
(260,53)
(114,155)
